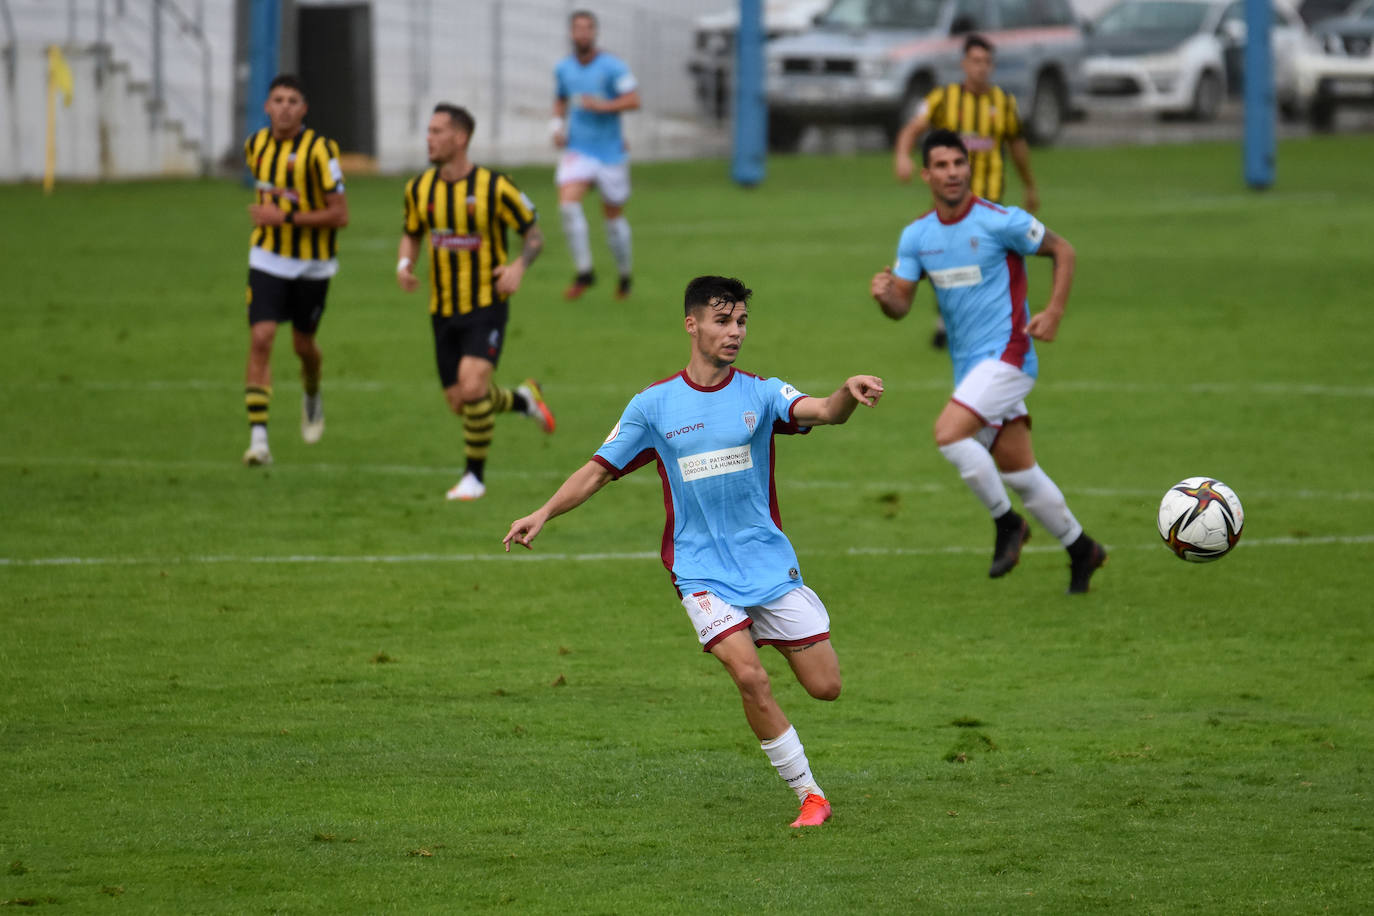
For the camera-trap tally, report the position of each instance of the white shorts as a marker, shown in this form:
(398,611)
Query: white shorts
(794,619)
(613,181)
(996,392)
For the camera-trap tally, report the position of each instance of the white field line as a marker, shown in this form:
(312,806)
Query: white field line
(523,556)
(1272,389)
(645,479)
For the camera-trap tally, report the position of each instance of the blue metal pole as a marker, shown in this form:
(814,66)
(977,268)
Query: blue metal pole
(749,161)
(264,30)
(1260,150)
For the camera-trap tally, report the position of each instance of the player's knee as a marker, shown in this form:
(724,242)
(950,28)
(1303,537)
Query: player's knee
(753,683)
(826,689)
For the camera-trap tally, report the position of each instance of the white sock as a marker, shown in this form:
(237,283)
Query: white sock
(257,435)
(788,757)
(1044,501)
(979,471)
(575,231)
(618,237)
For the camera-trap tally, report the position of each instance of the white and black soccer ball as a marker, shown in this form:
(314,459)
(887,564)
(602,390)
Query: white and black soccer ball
(1200,519)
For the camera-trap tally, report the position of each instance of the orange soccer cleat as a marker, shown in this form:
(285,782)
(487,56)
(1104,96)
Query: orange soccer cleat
(815,810)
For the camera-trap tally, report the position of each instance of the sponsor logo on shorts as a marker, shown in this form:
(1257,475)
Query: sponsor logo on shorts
(684,431)
(713,464)
(955,277)
(715,625)
(704,601)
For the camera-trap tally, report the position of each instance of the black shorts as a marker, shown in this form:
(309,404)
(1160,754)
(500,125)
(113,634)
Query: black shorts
(481,336)
(300,301)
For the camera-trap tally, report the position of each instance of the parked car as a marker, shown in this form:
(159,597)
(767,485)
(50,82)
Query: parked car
(1182,57)
(871,62)
(1351,33)
(713,47)
(1342,73)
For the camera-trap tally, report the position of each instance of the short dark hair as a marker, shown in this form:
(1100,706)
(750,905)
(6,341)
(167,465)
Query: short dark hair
(581,14)
(460,116)
(714,291)
(287,81)
(978,41)
(941,137)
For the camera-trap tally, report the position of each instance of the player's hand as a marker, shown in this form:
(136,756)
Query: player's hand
(406,279)
(1030,199)
(866,389)
(881,287)
(1044,325)
(268,214)
(523,530)
(592,103)
(903,168)
(508,277)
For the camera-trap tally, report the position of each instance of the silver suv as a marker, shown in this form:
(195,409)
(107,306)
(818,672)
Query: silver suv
(872,61)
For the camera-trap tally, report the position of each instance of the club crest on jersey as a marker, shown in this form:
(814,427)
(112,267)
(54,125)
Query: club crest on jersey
(751,420)
(472,206)
(973,243)
(291,161)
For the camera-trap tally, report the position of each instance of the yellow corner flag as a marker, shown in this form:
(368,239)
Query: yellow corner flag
(59,80)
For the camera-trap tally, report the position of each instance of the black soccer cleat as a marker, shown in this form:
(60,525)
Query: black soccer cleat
(622,290)
(580,284)
(939,339)
(1006,552)
(1086,556)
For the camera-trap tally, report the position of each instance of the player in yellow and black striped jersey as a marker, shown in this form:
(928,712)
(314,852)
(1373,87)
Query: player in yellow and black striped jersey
(986,118)
(298,211)
(466,211)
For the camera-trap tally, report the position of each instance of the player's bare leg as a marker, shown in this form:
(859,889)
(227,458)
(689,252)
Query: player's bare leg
(257,390)
(312,407)
(816,666)
(1043,499)
(777,737)
(574,221)
(955,432)
(470,398)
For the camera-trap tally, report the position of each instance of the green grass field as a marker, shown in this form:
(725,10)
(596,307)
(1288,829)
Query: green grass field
(320,687)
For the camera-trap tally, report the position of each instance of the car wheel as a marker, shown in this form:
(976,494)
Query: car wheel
(1046,115)
(784,134)
(1206,97)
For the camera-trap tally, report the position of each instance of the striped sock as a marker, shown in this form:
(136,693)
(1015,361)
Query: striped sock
(502,399)
(256,398)
(479,421)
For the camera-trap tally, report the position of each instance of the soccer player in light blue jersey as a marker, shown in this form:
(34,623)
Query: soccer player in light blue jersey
(592,90)
(709,430)
(974,254)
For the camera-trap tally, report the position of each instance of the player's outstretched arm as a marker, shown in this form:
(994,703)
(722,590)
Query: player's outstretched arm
(856,390)
(902,166)
(576,490)
(892,293)
(1044,325)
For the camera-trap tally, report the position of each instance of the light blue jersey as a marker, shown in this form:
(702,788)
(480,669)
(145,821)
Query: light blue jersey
(594,133)
(976,264)
(714,449)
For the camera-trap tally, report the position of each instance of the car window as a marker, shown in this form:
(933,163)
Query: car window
(1016,14)
(1163,18)
(968,17)
(883,14)
(1052,12)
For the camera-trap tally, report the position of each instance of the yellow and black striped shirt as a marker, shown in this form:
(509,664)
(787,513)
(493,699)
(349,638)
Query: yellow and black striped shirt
(984,121)
(466,221)
(295,174)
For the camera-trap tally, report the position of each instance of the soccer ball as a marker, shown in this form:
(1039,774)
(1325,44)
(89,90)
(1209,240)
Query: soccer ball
(1200,519)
